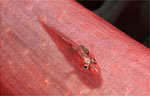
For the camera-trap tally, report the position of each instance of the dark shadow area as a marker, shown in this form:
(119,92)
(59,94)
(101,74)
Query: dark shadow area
(91,4)
(131,17)
(87,77)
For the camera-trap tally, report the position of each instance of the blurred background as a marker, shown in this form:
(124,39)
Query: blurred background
(130,16)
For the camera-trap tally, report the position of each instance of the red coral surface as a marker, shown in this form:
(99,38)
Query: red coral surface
(32,63)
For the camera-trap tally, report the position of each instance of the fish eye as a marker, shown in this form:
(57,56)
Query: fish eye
(86,66)
(94,59)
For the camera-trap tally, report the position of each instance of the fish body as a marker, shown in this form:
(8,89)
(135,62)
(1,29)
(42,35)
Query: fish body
(81,53)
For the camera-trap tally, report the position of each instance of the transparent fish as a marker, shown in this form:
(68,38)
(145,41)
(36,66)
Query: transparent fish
(82,54)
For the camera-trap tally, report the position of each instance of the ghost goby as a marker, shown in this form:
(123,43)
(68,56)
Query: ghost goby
(89,63)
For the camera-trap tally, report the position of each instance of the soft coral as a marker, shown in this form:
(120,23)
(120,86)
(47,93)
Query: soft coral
(38,69)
